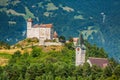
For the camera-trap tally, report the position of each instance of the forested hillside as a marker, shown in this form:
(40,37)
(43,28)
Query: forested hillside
(98,19)
(57,65)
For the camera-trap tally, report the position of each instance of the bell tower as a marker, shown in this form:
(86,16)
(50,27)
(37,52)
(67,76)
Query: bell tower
(29,26)
(80,51)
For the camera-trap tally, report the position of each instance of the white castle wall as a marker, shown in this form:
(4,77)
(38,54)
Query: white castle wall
(42,33)
(33,32)
(46,33)
(53,43)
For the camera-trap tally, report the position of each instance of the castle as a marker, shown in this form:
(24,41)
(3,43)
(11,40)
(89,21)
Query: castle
(45,32)
(41,31)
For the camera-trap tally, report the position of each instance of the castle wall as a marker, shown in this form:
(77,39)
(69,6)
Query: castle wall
(46,33)
(33,32)
(53,43)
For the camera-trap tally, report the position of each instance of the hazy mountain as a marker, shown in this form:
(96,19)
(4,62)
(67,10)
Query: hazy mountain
(99,20)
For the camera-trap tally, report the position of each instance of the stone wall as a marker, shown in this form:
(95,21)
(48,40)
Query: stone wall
(53,43)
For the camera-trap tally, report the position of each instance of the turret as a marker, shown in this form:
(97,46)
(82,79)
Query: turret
(29,23)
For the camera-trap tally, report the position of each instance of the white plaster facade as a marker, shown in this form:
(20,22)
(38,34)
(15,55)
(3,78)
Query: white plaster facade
(80,50)
(80,56)
(42,31)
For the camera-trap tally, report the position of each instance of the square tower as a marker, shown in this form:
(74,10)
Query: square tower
(80,51)
(29,27)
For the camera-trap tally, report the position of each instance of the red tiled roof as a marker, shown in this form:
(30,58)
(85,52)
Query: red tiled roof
(46,25)
(36,26)
(101,62)
(43,25)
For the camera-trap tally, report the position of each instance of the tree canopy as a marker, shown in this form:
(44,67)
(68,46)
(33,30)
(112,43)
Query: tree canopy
(57,65)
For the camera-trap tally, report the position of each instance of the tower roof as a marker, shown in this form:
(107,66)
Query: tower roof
(80,41)
(29,20)
(55,35)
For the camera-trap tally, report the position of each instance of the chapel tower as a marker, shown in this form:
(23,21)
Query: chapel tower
(80,51)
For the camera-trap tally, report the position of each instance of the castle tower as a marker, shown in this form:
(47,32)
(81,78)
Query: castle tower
(80,51)
(29,26)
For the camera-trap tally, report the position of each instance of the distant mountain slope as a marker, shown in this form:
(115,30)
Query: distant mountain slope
(99,20)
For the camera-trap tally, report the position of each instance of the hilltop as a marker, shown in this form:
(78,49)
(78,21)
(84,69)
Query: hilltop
(23,46)
(27,45)
(99,20)
(39,64)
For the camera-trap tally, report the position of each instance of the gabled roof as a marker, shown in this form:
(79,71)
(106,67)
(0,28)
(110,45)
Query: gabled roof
(46,25)
(43,26)
(29,20)
(101,62)
(80,42)
(36,26)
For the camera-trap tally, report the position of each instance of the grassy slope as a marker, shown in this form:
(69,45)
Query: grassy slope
(4,57)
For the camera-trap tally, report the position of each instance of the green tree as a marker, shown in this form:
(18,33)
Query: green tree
(31,72)
(70,45)
(70,39)
(16,54)
(107,72)
(1,70)
(117,71)
(113,77)
(13,72)
(62,39)
(96,72)
(78,71)
(4,76)
(20,78)
(36,52)
(86,70)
